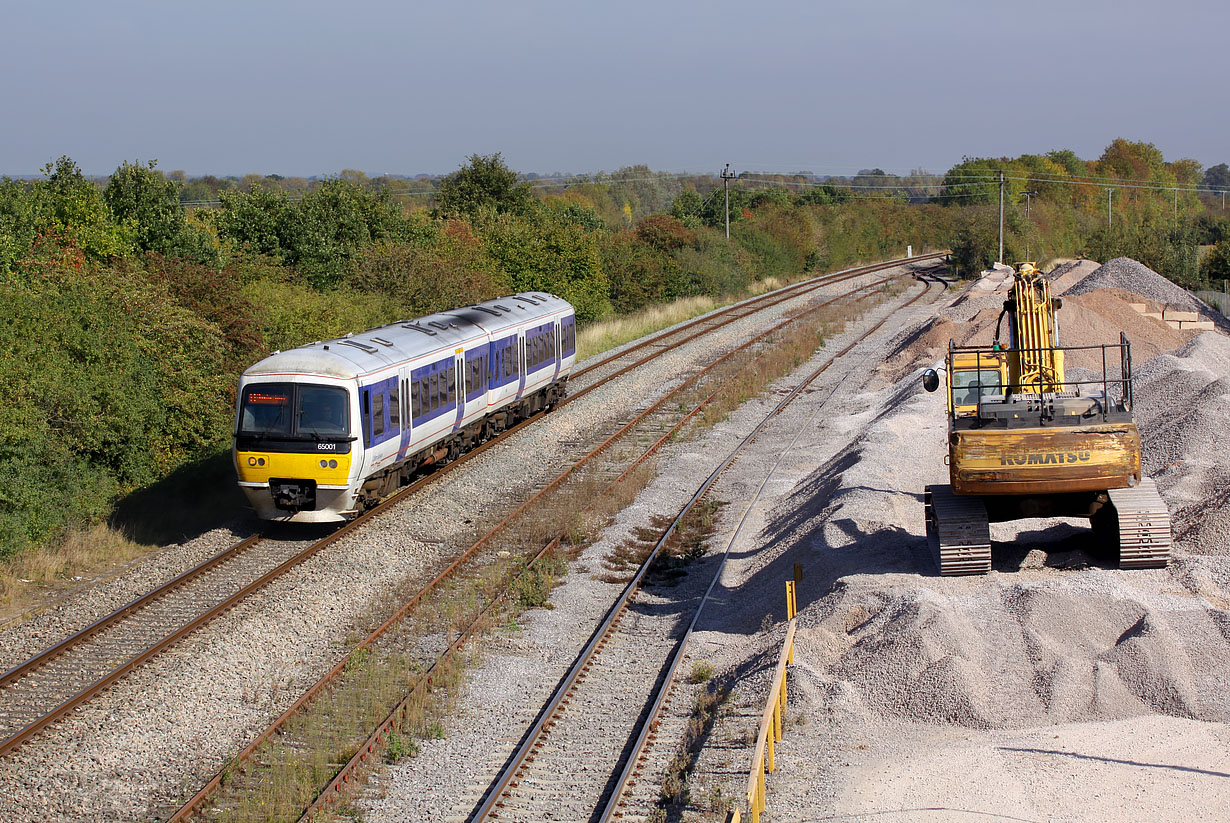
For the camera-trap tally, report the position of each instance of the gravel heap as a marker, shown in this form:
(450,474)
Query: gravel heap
(1183,410)
(1064,276)
(1129,275)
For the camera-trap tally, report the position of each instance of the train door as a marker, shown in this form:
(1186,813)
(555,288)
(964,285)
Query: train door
(459,369)
(407,410)
(555,347)
(520,355)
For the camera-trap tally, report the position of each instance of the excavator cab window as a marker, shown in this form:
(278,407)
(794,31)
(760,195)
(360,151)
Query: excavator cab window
(968,384)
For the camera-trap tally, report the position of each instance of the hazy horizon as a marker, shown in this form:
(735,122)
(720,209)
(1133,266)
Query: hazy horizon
(309,89)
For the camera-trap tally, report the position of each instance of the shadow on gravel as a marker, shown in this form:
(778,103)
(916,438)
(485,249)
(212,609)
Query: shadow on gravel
(1059,753)
(196,498)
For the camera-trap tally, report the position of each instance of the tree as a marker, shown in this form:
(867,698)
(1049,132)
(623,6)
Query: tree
(485,183)
(686,207)
(145,201)
(1217,177)
(1216,264)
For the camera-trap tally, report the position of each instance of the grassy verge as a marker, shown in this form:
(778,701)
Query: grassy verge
(33,576)
(615,331)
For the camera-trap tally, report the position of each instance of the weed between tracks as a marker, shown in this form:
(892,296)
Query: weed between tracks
(287,773)
(706,704)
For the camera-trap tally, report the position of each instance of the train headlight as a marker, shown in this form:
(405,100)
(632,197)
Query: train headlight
(251,461)
(324,464)
(333,464)
(260,461)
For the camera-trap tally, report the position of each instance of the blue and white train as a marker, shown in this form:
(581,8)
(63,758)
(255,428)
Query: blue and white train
(326,430)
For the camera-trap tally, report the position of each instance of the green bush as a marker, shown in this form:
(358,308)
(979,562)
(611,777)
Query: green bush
(114,384)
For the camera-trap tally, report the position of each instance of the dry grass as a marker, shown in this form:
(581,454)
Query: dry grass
(786,350)
(615,331)
(674,795)
(82,553)
(607,334)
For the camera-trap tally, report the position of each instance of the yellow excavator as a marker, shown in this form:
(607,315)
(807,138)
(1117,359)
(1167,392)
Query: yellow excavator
(1026,439)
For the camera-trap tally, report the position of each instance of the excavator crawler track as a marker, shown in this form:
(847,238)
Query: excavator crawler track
(1143,526)
(958,532)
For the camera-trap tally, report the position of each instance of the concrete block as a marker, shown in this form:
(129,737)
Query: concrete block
(1156,315)
(1140,307)
(1197,325)
(1174,324)
(1172,314)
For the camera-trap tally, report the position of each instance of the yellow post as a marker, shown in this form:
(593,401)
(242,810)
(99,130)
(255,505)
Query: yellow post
(792,609)
(768,753)
(783,701)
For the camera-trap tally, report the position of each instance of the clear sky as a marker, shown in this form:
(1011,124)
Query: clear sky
(308,87)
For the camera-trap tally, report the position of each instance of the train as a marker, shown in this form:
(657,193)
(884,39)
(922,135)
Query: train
(326,430)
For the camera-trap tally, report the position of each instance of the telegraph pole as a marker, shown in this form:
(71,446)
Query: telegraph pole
(1109,192)
(726,178)
(1176,208)
(1027,194)
(1001,217)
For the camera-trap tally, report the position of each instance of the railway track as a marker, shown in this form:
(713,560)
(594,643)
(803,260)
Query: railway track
(605,710)
(43,689)
(257,765)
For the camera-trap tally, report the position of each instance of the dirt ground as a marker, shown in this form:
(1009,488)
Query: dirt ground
(1055,688)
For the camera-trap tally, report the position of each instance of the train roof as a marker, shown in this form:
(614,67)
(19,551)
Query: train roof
(375,349)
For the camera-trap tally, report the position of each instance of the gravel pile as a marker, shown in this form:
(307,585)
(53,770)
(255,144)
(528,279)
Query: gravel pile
(1183,410)
(1129,275)
(1064,276)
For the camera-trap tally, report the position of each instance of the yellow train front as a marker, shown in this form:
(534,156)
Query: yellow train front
(294,447)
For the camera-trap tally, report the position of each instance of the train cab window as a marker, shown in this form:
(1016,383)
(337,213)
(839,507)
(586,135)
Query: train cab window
(395,407)
(377,414)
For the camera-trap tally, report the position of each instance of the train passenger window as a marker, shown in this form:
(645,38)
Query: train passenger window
(377,414)
(433,392)
(395,408)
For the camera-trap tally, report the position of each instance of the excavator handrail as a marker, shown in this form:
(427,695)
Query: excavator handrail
(1123,382)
